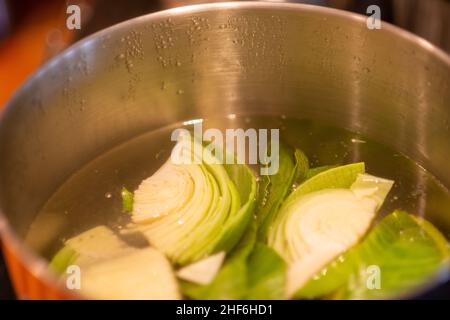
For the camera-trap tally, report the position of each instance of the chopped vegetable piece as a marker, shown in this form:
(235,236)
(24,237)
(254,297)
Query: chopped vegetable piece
(91,246)
(315,227)
(334,178)
(110,269)
(406,250)
(138,274)
(196,208)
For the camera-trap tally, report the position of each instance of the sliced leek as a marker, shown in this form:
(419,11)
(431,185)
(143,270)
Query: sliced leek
(94,245)
(110,269)
(195,208)
(313,227)
(140,274)
(404,250)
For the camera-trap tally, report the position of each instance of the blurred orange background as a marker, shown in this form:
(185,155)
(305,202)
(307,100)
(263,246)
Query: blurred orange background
(28,45)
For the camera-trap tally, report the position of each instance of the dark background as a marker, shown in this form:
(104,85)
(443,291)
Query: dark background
(6,291)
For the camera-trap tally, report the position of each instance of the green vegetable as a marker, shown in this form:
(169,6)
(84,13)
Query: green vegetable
(266,274)
(195,208)
(275,188)
(313,226)
(63,258)
(334,178)
(231,282)
(127,200)
(261,274)
(407,250)
(234,229)
(339,177)
(301,243)
(315,171)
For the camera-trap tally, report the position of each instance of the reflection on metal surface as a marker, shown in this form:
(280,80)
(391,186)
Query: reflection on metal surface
(429,19)
(243,58)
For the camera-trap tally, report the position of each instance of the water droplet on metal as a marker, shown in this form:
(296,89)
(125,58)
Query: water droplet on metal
(354,140)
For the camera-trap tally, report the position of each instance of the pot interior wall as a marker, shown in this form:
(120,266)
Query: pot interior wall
(300,61)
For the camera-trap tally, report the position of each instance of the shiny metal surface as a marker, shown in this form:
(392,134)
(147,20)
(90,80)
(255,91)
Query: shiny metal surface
(192,62)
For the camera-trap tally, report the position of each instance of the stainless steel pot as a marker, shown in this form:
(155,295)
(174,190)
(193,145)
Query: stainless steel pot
(191,62)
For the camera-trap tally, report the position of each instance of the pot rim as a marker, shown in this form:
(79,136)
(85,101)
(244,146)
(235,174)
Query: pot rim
(36,264)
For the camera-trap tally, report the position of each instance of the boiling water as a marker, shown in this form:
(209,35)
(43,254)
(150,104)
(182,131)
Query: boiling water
(92,196)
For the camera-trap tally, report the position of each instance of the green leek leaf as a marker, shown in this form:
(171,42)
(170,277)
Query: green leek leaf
(406,250)
(193,209)
(315,171)
(277,187)
(324,217)
(266,274)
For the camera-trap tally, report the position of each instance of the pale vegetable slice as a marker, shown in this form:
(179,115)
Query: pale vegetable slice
(63,258)
(110,269)
(91,246)
(195,207)
(316,226)
(203,271)
(323,224)
(408,251)
(235,227)
(139,274)
(165,192)
(333,178)
(338,177)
